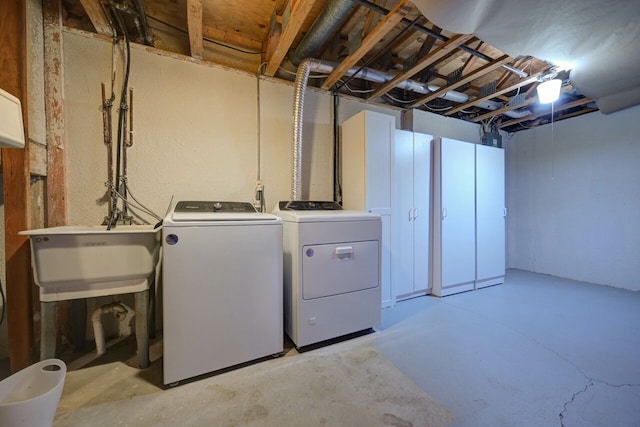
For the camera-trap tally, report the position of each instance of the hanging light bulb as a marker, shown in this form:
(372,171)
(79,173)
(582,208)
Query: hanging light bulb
(549,91)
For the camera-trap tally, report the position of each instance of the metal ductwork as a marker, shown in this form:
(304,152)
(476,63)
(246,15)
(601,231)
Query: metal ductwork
(325,24)
(310,64)
(414,86)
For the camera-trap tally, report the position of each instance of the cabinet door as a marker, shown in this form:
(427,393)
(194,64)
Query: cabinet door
(490,212)
(378,136)
(458,213)
(421,190)
(403,212)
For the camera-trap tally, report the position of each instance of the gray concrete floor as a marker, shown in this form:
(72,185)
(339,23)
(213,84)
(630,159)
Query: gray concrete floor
(536,351)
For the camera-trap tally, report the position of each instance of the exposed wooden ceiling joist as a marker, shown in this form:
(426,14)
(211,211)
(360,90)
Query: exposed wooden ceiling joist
(388,36)
(194,23)
(437,54)
(474,101)
(464,80)
(96,14)
(387,24)
(562,107)
(528,101)
(299,13)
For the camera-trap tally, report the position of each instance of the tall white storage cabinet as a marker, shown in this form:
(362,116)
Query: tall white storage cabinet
(490,216)
(468,226)
(411,181)
(367,160)
(453,266)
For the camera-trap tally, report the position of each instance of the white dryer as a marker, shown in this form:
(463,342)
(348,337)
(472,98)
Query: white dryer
(331,270)
(222,287)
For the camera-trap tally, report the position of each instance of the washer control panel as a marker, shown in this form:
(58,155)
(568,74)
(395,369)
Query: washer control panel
(222,207)
(307,205)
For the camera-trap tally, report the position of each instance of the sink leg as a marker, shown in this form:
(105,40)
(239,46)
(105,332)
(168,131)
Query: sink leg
(48,330)
(152,306)
(142,327)
(79,319)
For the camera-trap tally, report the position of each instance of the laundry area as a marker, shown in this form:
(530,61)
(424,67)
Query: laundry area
(330,212)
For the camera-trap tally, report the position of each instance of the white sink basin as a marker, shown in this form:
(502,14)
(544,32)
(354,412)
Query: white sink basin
(87,261)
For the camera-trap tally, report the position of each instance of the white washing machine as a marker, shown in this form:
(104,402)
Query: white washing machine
(222,287)
(331,270)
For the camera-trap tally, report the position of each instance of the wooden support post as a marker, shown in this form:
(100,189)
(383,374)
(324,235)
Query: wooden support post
(54,111)
(15,171)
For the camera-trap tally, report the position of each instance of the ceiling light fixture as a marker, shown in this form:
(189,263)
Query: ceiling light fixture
(549,89)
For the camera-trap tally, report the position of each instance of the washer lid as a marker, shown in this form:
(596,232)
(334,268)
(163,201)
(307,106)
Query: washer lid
(217,211)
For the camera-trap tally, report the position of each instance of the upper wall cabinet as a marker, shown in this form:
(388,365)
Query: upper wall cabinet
(410,231)
(367,165)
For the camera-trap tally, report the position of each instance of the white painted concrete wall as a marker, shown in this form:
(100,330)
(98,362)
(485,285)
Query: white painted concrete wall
(196,132)
(574,199)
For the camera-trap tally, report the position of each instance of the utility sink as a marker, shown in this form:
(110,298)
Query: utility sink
(71,262)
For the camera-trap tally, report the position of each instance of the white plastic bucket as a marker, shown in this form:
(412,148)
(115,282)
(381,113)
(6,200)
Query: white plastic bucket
(30,397)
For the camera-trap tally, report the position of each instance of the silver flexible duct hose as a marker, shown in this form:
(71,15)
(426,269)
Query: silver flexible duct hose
(298,109)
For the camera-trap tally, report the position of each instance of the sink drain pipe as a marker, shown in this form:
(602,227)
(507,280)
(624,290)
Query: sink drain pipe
(122,312)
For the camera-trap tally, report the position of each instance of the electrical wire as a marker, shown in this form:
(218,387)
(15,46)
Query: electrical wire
(437,109)
(393,98)
(350,89)
(248,52)
(311,76)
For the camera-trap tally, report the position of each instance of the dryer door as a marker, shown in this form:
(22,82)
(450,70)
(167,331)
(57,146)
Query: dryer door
(338,268)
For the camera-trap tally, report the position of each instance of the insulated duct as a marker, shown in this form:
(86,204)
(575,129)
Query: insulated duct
(325,24)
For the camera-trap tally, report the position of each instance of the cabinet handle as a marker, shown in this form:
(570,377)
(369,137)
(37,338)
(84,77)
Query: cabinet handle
(410,217)
(504,212)
(444,213)
(415,213)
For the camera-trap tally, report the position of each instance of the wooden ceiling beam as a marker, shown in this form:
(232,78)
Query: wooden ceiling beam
(299,12)
(429,42)
(562,107)
(98,18)
(514,107)
(475,101)
(194,25)
(437,54)
(384,26)
(464,80)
